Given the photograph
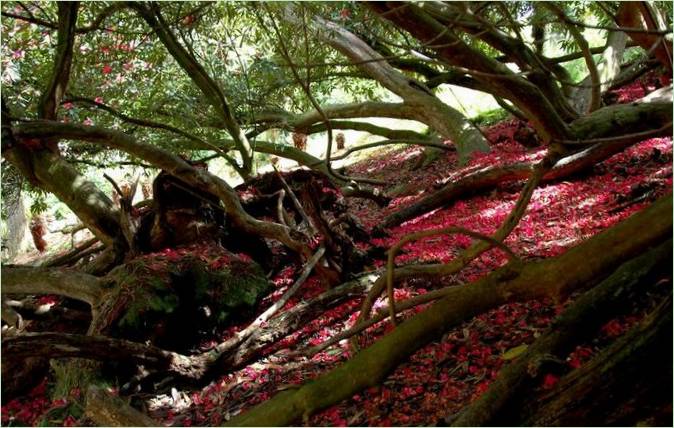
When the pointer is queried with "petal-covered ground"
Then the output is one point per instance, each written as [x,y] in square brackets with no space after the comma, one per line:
[447,374]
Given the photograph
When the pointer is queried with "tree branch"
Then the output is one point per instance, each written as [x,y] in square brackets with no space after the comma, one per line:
[211,90]
[58,81]
[30,280]
[174,165]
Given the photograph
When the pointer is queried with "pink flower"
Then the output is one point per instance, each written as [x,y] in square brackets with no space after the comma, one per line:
[68,106]
[107,69]
[99,100]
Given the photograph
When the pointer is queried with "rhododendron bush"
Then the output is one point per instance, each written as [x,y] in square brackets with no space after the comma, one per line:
[429,268]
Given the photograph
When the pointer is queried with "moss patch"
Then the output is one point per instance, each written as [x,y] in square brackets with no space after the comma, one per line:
[175,300]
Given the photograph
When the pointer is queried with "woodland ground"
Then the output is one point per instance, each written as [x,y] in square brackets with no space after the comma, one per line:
[447,374]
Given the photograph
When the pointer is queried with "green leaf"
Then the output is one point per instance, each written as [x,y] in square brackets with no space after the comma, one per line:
[515,352]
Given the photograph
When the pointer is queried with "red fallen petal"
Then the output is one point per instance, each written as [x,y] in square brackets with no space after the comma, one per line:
[550,381]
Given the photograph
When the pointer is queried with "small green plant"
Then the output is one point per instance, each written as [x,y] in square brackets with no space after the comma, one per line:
[71,375]
[490,117]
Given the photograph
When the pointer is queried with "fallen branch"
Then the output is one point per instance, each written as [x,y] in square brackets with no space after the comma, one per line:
[74,255]
[488,178]
[101,348]
[296,317]
[296,202]
[244,334]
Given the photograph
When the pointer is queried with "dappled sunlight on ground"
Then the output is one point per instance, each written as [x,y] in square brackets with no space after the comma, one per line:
[446,374]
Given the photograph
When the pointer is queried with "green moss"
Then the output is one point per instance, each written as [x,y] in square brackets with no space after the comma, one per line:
[490,117]
[185,298]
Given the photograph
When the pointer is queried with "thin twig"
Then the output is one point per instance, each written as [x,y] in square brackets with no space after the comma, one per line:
[623,139]
[239,337]
[424,234]
[296,202]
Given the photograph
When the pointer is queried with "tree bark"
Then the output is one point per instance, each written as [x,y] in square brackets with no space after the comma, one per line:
[107,410]
[636,15]
[629,384]
[579,322]
[101,348]
[607,122]
[578,267]
[608,69]
[495,76]
[29,280]
[424,106]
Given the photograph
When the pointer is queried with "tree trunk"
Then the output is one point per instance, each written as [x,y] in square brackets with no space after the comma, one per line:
[17,226]
[635,15]
[608,68]
[579,322]
[578,267]
[629,384]
[425,106]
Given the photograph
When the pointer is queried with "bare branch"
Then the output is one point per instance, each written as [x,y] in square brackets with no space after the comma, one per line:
[64,55]
[31,280]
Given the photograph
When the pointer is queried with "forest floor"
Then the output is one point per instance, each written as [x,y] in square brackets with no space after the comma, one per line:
[447,374]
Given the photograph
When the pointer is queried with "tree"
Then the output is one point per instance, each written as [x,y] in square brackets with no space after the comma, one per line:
[169,86]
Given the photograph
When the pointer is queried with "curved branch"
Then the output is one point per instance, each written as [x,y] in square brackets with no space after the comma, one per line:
[158,125]
[174,165]
[353,110]
[492,74]
[427,108]
[397,134]
[424,234]
[595,100]
[214,94]
[58,82]
[30,280]
[311,122]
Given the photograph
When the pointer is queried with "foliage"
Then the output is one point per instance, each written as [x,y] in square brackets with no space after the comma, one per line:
[491,117]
